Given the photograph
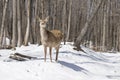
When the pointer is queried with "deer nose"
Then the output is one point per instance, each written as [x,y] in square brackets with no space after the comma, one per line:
[42,23]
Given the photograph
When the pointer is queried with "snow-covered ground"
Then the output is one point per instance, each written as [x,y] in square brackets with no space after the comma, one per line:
[72,65]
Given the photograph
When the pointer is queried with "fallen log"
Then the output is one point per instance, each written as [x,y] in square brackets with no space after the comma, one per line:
[24,56]
[21,57]
[18,58]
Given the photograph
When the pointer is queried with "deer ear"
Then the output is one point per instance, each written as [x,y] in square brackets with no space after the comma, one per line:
[38,18]
[47,18]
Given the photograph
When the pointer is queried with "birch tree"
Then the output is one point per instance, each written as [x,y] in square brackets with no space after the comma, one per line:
[19,43]
[14,24]
[69,21]
[3,21]
[28,24]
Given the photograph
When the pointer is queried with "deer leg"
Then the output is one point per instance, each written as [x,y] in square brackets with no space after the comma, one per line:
[45,52]
[50,54]
[57,50]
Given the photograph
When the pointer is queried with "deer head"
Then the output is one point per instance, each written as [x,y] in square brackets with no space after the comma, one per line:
[43,22]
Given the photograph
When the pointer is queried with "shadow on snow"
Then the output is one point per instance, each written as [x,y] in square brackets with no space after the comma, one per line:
[73,66]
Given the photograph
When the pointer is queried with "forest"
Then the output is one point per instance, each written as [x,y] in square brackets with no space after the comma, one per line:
[92,23]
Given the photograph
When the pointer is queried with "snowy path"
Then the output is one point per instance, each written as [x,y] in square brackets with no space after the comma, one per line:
[72,65]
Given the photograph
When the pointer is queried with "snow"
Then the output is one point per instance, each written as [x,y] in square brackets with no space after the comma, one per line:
[72,65]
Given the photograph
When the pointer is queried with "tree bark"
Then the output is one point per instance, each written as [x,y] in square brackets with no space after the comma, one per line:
[69,21]
[19,43]
[3,21]
[64,21]
[28,24]
[42,5]
[14,24]
[33,20]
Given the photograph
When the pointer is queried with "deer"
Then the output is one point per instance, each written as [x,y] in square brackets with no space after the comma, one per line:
[51,39]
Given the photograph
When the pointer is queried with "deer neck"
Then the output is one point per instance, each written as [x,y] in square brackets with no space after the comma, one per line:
[44,34]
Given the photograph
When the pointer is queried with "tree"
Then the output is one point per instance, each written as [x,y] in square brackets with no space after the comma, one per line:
[69,21]
[14,24]
[3,21]
[28,24]
[19,43]
[33,20]
[64,20]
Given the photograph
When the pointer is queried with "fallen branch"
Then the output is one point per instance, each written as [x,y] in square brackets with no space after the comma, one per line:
[21,57]
[18,58]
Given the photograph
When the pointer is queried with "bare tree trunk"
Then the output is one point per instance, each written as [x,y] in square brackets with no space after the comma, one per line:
[4,39]
[104,28]
[42,5]
[28,24]
[33,20]
[69,21]
[19,43]
[84,30]
[64,20]
[54,14]
[14,24]
[3,21]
